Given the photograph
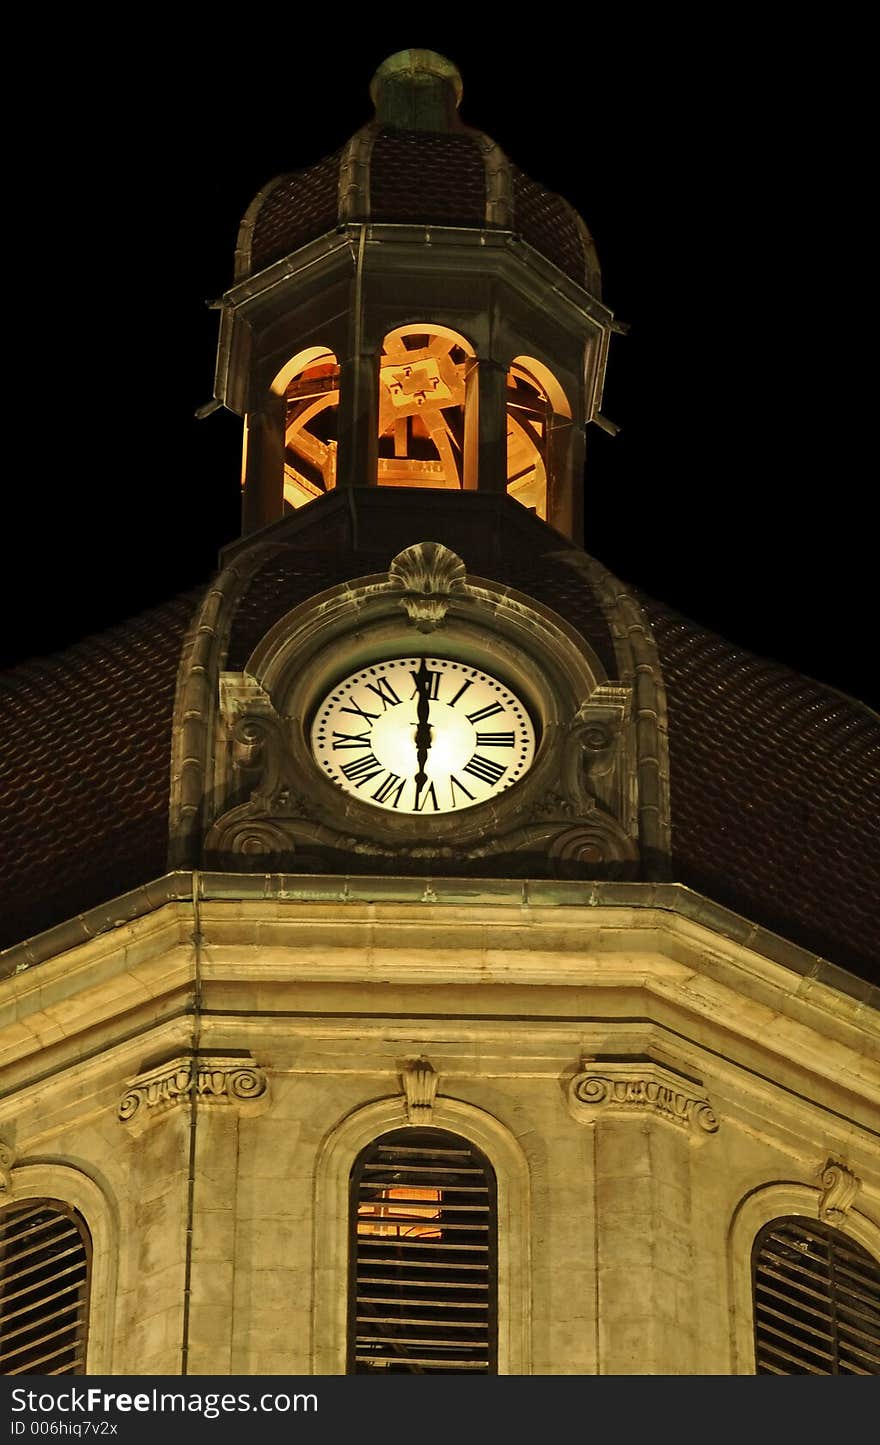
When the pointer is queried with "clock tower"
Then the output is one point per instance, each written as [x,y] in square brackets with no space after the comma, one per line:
[426,954]
[416,341]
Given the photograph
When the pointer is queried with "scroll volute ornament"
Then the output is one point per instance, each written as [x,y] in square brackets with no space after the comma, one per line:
[839,1189]
[7,1159]
[427,574]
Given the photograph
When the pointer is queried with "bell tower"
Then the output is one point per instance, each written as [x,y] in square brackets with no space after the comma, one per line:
[409,663]
[414,312]
[427,1053]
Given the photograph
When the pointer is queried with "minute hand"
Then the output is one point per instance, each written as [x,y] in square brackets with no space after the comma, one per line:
[424,733]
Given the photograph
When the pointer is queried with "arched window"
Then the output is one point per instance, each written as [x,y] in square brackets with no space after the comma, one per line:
[423,1257]
[816,1296]
[45,1258]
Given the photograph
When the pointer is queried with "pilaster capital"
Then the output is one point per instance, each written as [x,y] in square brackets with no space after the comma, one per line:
[214,1080]
[640,1087]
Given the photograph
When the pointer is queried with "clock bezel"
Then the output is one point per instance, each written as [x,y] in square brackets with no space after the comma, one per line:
[431,654]
[522,643]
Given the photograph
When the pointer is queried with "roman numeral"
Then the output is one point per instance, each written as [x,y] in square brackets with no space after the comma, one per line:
[356,708]
[384,692]
[483,712]
[464,687]
[484,769]
[453,784]
[361,770]
[433,685]
[354,740]
[494,740]
[384,790]
[428,793]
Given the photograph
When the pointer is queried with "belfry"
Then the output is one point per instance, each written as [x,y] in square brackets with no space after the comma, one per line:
[425,953]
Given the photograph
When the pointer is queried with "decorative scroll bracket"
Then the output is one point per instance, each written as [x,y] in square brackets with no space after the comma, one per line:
[7,1159]
[218,1079]
[427,574]
[597,747]
[240,693]
[839,1189]
[638,1088]
[419,1083]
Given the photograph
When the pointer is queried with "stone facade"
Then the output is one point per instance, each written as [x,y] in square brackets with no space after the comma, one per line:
[648,1090]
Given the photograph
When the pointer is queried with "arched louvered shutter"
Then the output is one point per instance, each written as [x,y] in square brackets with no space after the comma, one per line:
[45,1257]
[816,1298]
[423,1262]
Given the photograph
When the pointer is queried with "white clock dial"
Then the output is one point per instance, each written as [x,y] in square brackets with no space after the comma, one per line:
[422,735]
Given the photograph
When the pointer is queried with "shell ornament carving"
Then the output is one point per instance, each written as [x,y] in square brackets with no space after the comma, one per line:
[427,574]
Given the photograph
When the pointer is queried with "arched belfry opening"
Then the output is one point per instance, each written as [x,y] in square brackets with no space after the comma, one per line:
[309,389]
[427,409]
[414,312]
[538,419]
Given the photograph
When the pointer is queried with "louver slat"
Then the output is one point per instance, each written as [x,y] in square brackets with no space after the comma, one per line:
[423,1219]
[43,1322]
[818,1292]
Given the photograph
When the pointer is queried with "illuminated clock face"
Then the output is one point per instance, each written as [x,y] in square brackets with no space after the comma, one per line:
[423,735]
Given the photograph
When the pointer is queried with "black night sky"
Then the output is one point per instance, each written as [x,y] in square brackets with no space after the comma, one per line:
[722,201]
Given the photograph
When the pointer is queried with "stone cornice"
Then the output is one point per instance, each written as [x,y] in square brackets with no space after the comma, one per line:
[733,932]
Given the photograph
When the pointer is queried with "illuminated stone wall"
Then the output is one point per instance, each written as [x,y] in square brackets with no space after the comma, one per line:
[639,1082]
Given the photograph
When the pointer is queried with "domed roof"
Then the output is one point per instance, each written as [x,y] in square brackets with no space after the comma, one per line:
[415,163]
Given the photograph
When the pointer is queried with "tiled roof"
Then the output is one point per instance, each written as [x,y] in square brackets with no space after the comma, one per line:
[775,782]
[84,770]
[549,224]
[422,177]
[775,778]
[295,210]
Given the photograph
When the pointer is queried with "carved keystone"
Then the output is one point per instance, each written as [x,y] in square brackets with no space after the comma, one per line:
[419,1083]
[220,1079]
[641,1087]
[427,574]
[840,1187]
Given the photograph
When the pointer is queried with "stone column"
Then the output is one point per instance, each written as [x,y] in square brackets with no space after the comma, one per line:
[153,1254]
[199,1101]
[262,499]
[492,427]
[357,458]
[646,1120]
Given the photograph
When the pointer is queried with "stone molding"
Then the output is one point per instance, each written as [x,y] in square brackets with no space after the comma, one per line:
[217,1080]
[839,1189]
[420,1084]
[641,1087]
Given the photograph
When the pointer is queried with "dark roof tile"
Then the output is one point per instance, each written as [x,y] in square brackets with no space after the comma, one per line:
[85,770]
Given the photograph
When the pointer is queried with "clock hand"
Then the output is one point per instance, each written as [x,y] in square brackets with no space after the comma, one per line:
[424,733]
